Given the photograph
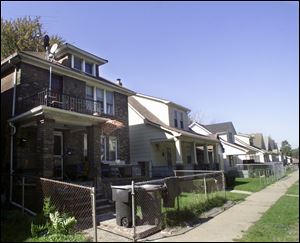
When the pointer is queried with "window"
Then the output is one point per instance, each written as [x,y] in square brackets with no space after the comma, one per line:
[103,148]
[112,148]
[100,100]
[109,103]
[89,68]
[89,94]
[175,119]
[181,120]
[77,63]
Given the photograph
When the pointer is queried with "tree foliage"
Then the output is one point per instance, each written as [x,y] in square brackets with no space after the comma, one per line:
[23,34]
[286,148]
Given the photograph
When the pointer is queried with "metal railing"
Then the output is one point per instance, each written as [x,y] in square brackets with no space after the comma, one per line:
[62,101]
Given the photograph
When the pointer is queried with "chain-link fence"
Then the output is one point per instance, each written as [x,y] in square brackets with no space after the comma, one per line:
[155,204]
[290,168]
[28,193]
[272,171]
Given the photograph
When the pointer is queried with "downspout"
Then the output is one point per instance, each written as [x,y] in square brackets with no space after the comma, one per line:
[12,135]
[11,158]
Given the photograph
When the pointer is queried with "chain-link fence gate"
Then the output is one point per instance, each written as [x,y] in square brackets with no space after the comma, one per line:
[28,193]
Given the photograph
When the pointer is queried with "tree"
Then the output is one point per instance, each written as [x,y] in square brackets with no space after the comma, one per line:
[286,148]
[295,153]
[196,116]
[23,34]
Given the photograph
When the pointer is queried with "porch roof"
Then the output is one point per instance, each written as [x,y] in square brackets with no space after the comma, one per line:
[59,115]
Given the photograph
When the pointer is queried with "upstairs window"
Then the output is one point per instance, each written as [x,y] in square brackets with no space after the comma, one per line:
[109,103]
[100,100]
[181,120]
[89,94]
[175,119]
[77,63]
[88,68]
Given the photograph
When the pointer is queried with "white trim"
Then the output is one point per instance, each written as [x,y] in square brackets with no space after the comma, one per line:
[104,101]
[83,65]
[14,93]
[72,61]
[94,69]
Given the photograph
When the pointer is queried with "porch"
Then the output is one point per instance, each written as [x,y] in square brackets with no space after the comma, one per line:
[184,154]
[65,145]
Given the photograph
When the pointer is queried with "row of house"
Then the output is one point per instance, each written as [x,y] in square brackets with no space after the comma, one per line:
[59,116]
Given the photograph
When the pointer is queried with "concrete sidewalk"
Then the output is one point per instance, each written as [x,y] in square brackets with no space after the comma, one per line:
[233,222]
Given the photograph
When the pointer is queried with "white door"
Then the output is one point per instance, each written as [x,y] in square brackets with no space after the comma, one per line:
[58,155]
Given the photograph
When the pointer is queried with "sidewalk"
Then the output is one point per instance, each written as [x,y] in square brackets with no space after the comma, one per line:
[233,222]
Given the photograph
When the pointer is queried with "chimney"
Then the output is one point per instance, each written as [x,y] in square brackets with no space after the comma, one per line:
[119,82]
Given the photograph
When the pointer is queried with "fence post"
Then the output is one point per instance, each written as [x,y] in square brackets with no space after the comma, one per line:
[133,210]
[93,198]
[223,182]
[23,194]
[205,189]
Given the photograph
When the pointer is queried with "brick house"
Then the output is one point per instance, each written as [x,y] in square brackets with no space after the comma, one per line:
[54,111]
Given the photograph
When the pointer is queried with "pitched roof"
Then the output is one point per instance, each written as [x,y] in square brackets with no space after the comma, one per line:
[154,120]
[220,127]
[41,57]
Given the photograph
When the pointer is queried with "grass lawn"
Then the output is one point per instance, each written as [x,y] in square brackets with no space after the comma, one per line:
[294,189]
[191,205]
[280,223]
[251,184]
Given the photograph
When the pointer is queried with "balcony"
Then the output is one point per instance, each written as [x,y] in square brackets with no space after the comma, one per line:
[62,101]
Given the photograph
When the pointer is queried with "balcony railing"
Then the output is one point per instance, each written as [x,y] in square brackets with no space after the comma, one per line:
[62,101]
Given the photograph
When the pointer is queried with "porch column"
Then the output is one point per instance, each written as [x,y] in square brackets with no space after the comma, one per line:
[195,153]
[270,158]
[94,151]
[206,159]
[45,145]
[215,155]
[178,151]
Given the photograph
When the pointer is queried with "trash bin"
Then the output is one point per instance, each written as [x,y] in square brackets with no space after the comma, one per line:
[122,196]
[149,199]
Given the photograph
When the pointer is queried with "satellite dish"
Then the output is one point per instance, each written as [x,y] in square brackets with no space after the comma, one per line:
[53,48]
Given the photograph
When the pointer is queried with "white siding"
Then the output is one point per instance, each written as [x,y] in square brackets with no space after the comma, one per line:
[140,135]
[224,137]
[199,130]
[243,138]
[230,150]
[159,109]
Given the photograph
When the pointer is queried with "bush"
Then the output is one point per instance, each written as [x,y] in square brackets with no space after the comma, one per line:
[58,238]
[50,225]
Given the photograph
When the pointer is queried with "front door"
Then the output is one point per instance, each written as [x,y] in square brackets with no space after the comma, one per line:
[58,155]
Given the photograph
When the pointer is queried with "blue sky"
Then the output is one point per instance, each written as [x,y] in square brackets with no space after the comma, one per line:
[226,61]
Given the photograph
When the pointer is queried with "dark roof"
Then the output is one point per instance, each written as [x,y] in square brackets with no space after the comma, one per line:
[151,118]
[41,55]
[220,127]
